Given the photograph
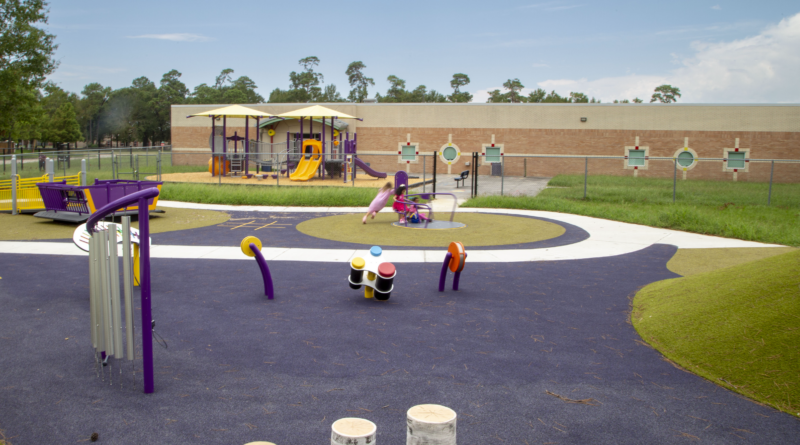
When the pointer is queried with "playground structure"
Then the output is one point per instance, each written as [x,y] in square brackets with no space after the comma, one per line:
[455,259]
[379,280]
[326,156]
[19,195]
[251,246]
[70,203]
[104,297]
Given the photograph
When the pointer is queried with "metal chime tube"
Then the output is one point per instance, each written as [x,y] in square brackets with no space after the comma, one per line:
[97,239]
[127,268]
[105,296]
[93,289]
[116,308]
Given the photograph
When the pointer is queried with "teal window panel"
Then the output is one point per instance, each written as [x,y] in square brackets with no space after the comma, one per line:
[449,153]
[492,154]
[735,159]
[685,159]
[409,153]
[636,158]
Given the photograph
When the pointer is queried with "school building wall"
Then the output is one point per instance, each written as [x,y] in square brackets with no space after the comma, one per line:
[767,131]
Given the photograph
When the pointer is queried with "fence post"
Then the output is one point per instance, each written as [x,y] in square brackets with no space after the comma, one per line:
[771,171]
[13,185]
[83,172]
[49,170]
[585,174]
[434,173]
[98,160]
[502,173]
[158,164]
[674,177]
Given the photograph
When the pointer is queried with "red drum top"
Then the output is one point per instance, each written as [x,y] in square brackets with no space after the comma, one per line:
[386,270]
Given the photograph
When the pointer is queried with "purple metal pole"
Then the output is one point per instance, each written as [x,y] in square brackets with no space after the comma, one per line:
[262,264]
[224,134]
[246,144]
[323,147]
[443,275]
[147,318]
[458,274]
[287,156]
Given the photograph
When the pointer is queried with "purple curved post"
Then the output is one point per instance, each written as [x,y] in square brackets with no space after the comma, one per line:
[458,275]
[443,275]
[262,264]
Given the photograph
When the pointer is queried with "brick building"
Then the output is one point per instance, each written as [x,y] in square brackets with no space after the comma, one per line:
[642,132]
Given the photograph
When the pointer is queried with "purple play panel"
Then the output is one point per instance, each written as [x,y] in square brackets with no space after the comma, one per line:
[60,197]
[242,368]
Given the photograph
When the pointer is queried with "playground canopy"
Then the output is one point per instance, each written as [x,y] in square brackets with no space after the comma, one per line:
[317,112]
[234,111]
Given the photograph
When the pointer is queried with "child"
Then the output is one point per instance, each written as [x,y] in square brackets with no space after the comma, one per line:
[413,212]
[399,207]
[379,202]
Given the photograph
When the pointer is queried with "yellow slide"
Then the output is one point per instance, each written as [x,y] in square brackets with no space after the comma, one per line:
[306,168]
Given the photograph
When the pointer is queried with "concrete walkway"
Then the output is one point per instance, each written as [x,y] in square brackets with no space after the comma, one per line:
[606,238]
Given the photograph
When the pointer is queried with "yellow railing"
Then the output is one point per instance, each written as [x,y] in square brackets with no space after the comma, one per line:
[28,196]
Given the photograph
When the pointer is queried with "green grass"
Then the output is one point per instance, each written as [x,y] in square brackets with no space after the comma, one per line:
[265,195]
[738,327]
[729,209]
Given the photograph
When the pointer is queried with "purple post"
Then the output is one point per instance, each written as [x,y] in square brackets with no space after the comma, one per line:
[147,317]
[262,264]
[246,144]
[213,135]
[323,147]
[443,275]
[287,156]
[458,274]
[224,135]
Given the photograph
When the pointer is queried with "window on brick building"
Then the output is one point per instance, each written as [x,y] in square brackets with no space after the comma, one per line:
[409,152]
[685,159]
[449,153]
[636,158]
[492,154]
[736,159]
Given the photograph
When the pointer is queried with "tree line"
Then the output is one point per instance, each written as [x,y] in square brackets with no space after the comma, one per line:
[33,109]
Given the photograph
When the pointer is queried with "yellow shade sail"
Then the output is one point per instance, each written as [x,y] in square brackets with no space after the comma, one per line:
[317,112]
[234,111]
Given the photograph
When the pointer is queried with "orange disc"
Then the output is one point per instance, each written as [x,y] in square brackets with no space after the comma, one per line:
[456,249]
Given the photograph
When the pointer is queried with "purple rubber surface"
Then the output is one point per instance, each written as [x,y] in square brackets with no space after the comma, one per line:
[240,368]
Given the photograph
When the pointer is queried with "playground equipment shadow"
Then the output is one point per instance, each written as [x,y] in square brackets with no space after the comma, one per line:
[506,352]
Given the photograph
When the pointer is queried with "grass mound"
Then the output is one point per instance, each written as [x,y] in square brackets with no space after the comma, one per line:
[729,209]
[28,227]
[738,327]
[481,230]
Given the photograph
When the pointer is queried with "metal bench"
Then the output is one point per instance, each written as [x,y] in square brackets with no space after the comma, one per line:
[463,177]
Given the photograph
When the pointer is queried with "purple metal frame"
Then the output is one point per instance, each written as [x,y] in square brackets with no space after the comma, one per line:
[443,275]
[262,264]
[144,267]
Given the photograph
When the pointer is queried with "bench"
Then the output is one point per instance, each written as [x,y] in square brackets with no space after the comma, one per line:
[464,175]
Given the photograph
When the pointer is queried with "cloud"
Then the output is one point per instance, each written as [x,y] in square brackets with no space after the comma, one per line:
[716,7]
[757,69]
[177,37]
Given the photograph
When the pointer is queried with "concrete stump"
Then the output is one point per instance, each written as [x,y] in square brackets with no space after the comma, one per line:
[431,425]
[353,431]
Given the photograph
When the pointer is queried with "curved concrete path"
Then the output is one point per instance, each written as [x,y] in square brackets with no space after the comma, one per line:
[606,238]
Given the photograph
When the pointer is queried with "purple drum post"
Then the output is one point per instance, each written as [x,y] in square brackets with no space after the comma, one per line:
[262,263]
[443,275]
[456,277]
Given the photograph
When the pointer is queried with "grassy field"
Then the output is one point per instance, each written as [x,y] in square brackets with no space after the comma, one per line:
[737,327]
[272,196]
[729,209]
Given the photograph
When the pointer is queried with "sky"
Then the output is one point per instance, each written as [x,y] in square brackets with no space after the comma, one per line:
[715,51]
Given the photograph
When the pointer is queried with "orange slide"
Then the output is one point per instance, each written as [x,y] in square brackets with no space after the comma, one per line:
[307,167]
